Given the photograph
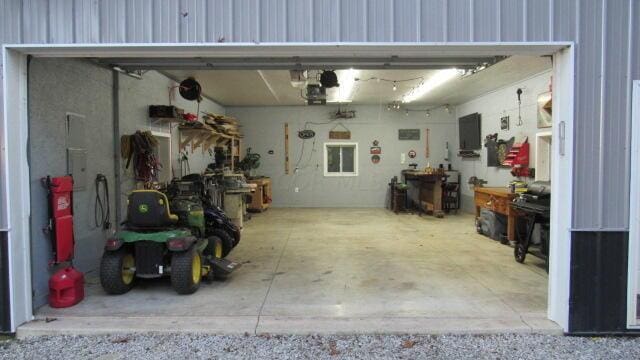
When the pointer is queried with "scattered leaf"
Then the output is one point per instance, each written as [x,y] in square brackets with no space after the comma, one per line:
[333,349]
[408,344]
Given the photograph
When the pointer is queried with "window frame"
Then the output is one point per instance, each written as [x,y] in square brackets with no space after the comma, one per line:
[340,173]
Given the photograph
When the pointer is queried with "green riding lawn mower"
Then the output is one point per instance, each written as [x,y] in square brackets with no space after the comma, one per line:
[168,236]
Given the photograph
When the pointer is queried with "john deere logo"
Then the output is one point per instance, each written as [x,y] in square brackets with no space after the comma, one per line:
[143,208]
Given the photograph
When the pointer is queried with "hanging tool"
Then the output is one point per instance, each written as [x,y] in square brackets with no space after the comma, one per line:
[426,138]
[286,148]
[102,209]
[519,93]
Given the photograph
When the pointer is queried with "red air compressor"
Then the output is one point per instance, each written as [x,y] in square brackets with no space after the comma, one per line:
[66,286]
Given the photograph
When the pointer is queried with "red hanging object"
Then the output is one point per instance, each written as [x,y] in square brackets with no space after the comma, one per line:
[61,217]
[518,159]
[66,286]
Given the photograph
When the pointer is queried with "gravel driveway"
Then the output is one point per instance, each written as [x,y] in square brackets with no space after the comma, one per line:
[523,346]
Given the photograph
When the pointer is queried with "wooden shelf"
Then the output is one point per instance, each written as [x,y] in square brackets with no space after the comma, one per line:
[203,135]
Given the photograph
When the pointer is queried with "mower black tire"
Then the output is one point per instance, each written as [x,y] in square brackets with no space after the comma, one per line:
[112,277]
[227,240]
[185,279]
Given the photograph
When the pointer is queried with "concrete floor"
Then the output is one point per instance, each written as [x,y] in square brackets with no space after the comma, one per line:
[335,271]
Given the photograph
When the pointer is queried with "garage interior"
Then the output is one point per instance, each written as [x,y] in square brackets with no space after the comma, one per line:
[382,206]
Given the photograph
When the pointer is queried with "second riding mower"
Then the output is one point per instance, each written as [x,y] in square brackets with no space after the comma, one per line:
[195,187]
[156,242]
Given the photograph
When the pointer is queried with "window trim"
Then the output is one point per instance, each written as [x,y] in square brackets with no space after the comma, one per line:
[341,173]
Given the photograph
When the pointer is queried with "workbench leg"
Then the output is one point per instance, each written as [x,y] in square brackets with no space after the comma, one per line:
[511,227]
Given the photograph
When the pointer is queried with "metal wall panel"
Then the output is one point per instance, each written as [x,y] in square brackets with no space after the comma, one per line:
[380,15]
[273,24]
[407,21]
[598,294]
[458,20]
[113,21]
[433,20]
[537,20]
[299,24]
[326,21]
[193,19]
[246,21]
[485,20]
[634,30]
[35,21]
[86,20]
[615,97]
[587,123]
[606,35]
[10,22]
[61,21]
[563,22]
[139,22]
[221,28]
[353,21]
[511,20]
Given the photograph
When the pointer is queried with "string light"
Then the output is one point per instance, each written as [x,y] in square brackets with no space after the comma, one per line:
[394,86]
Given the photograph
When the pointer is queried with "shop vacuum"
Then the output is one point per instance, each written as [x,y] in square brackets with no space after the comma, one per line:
[66,285]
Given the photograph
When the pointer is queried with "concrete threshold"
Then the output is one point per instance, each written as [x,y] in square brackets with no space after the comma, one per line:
[285,325]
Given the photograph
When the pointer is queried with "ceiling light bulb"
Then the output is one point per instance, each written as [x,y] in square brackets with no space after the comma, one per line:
[388,107]
[428,113]
[406,112]
[448,109]
[395,87]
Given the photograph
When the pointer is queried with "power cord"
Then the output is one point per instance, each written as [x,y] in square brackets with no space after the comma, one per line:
[102,209]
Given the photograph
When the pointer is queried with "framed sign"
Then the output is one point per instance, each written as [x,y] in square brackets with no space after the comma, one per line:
[408,134]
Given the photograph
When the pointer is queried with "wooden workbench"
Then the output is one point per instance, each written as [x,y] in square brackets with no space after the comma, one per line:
[261,199]
[429,190]
[497,200]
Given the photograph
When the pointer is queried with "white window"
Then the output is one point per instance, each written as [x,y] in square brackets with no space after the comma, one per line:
[340,159]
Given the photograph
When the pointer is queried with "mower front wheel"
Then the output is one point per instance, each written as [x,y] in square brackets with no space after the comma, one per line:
[186,271]
[214,247]
[227,240]
[117,271]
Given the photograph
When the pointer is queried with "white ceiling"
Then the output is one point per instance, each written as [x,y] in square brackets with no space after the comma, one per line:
[273,87]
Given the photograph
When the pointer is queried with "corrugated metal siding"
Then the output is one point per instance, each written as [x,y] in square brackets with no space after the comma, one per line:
[606,32]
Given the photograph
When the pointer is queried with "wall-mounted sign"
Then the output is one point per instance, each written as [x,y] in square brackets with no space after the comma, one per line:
[375,159]
[306,134]
[504,123]
[344,134]
[409,134]
[377,150]
[412,154]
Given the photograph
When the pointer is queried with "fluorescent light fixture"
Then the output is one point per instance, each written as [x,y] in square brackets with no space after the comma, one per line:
[347,80]
[439,78]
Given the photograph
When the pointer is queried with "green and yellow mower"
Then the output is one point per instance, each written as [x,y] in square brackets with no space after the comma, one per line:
[155,242]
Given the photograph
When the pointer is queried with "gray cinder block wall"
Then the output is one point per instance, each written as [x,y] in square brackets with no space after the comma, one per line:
[59,86]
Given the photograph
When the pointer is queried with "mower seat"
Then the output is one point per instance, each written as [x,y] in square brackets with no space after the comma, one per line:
[149,209]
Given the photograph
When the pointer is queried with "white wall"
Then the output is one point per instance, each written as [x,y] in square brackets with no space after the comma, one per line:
[492,107]
[264,130]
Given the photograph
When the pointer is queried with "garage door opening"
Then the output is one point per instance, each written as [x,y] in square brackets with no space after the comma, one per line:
[371,203]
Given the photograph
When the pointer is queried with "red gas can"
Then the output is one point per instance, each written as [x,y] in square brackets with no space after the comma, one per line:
[66,288]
